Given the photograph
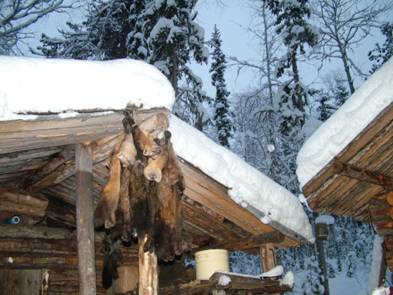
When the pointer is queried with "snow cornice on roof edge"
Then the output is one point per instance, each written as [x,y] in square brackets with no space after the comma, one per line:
[254,191]
[39,85]
[346,123]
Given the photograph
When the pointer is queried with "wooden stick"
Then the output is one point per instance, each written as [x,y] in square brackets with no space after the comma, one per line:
[148,269]
[84,219]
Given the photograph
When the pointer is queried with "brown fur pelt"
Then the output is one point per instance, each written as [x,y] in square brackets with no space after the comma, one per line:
[124,205]
[105,213]
[164,169]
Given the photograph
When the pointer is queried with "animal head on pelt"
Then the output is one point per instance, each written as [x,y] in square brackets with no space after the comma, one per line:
[146,142]
[165,160]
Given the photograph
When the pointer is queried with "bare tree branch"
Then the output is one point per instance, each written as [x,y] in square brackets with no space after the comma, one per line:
[17,15]
[344,24]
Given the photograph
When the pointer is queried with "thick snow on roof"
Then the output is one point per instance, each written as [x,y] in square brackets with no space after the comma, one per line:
[247,185]
[55,85]
[344,125]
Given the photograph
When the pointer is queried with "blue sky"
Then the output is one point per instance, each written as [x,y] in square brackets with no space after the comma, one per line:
[232,17]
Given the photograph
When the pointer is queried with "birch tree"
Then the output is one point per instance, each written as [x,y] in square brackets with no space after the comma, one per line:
[17,15]
[344,25]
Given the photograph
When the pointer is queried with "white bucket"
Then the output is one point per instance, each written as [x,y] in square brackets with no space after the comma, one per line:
[210,261]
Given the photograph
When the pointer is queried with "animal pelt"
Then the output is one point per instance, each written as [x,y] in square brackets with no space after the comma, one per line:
[145,142]
[143,201]
[127,152]
[112,256]
[105,213]
[155,124]
[164,169]
[124,206]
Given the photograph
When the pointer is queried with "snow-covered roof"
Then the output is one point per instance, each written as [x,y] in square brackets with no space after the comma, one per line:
[54,85]
[247,186]
[346,124]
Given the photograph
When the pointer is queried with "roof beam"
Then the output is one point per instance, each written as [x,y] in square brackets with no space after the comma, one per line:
[50,132]
[364,175]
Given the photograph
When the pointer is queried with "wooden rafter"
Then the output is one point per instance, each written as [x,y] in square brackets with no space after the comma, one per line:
[381,125]
[364,175]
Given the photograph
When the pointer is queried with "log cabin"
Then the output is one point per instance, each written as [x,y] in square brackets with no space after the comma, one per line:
[54,168]
[345,168]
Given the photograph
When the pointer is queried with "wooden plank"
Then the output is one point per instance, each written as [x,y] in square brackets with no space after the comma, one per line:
[85,219]
[210,194]
[365,175]
[247,283]
[63,167]
[253,242]
[22,203]
[268,257]
[16,157]
[148,269]
[21,282]
[366,137]
[26,135]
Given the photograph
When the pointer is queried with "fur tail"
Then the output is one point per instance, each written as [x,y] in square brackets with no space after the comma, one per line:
[107,273]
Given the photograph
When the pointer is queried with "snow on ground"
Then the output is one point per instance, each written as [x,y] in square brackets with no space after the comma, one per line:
[376,262]
[288,279]
[274,272]
[56,85]
[345,124]
[327,219]
[247,185]
[224,280]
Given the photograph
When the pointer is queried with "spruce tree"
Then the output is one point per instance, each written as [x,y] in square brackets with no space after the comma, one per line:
[102,36]
[163,33]
[381,53]
[292,23]
[174,39]
[222,112]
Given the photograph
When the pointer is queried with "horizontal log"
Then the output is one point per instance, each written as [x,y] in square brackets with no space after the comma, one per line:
[26,135]
[22,203]
[238,282]
[34,232]
[364,175]
[191,288]
[254,242]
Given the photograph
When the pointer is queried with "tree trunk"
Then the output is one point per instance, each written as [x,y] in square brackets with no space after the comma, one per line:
[344,58]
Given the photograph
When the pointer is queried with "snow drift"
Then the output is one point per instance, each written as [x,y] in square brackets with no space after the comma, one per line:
[57,85]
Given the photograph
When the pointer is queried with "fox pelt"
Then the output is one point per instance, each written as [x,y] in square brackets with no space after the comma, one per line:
[164,169]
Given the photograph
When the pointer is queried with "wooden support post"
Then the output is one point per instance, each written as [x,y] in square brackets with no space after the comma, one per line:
[321,236]
[84,220]
[268,257]
[148,269]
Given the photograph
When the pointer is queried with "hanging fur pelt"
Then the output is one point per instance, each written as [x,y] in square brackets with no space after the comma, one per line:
[112,256]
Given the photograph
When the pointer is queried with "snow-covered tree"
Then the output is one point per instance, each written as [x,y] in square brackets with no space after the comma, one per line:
[292,20]
[17,15]
[163,33]
[222,113]
[331,98]
[381,53]
[102,36]
[344,24]
[175,39]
